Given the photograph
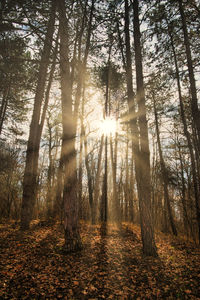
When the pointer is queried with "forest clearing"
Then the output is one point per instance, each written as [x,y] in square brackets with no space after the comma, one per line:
[33,265]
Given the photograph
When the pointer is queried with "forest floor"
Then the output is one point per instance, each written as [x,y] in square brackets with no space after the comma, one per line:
[33,265]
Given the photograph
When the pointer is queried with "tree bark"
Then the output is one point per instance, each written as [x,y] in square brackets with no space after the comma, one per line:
[164,172]
[194,101]
[70,199]
[143,177]
[4,105]
[31,167]
[113,155]
[187,134]
[96,185]
[131,188]
[89,176]
[126,187]
[132,118]
[82,64]
[104,204]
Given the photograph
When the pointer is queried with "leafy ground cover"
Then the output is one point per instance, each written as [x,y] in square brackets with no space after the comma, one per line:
[33,266]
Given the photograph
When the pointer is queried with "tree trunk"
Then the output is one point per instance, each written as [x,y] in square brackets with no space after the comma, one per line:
[31,167]
[4,105]
[82,65]
[131,102]
[104,187]
[131,187]
[113,155]
[143,178]
[126,187]
[96,185]
[89,176]
[164,173]
[104,206]
[187,134]
[70,199]
[186,220]
[49,175]
[193,90]
[80,170]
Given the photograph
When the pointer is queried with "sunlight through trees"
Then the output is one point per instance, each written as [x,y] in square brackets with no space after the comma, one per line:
[99,116]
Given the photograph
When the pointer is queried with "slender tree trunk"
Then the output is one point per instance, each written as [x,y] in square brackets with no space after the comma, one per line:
[193,90]
[80,172]
[4,105]
[186,220]
[47,92]
[81,85]
[89,176]
[132,193]
[187,135]
[96,185]
[113,155]
[31,167]
[131,102]
[82,65]
[70,199]
[49,174]
[153,183]
[144,178]
[104,206]
[164,173]
[58,202]
[126,192]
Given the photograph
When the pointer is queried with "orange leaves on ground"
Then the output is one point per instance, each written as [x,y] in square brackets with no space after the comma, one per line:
[33,266]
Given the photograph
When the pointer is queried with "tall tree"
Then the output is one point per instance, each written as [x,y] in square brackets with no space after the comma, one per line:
[15,75]
[113,155]
[144,177]
[32,154]
[188,136]
[78,65]
[163,170]
[70,199]
[194,100]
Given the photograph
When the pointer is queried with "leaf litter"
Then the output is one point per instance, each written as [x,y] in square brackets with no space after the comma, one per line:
[111,266]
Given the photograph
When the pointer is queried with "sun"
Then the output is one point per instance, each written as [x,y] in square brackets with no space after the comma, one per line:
[108,126]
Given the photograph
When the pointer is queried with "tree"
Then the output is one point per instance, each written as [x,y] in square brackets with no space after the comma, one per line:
[194,101]
[174,54]
[194,105]
[15,74]
[31,168]
[70,199]
[10,181]
[143,178]
[163,168]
